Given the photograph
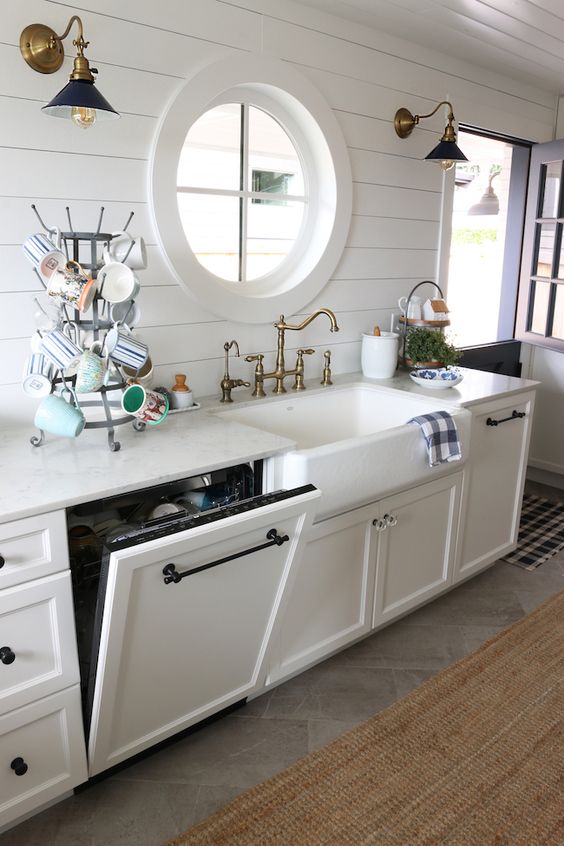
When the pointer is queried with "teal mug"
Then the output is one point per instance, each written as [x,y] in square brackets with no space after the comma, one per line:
[62,418]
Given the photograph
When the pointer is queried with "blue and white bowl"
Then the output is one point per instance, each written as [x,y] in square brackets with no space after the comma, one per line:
[437,378]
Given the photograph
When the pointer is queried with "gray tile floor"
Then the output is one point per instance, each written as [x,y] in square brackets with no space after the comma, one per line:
[151,801]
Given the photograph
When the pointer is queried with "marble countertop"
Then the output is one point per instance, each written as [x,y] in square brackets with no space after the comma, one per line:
[64,472]
[477,386]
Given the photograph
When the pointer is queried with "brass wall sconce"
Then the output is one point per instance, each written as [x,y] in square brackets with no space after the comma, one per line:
[447,152]
[42,49]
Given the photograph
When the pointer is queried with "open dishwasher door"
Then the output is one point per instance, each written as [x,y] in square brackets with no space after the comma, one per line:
[186,618]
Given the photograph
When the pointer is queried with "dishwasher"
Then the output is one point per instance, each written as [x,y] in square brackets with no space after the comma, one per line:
[178,589]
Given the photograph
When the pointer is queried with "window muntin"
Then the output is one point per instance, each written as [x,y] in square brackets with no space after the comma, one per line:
[245,179]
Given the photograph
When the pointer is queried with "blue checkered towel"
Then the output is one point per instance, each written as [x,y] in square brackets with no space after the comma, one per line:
[441,437]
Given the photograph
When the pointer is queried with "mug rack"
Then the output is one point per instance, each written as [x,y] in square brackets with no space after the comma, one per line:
[405,323]
[75,244]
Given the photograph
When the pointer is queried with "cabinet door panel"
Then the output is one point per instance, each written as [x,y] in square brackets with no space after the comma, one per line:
[172,654]
[33,547]
[493,485]
[48,736]
[331,600]
[37,626]
[416,554]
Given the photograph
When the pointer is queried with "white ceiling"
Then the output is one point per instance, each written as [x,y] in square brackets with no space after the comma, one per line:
[523,39]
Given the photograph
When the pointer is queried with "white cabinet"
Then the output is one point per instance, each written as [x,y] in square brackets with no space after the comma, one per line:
[42,749]
[32,547]
[331,600]
[366,567]
[37,640]
[416,545]
[41,753]
[493,482]
[173,653]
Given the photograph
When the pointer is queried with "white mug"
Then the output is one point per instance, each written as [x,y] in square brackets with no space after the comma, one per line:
[117,282]
[46,315]
[127,313]
[414,308]
[128,249]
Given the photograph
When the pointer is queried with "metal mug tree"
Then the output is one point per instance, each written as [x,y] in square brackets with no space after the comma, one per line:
[74,243]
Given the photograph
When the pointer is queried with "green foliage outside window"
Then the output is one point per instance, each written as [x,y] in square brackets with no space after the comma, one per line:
[473,236]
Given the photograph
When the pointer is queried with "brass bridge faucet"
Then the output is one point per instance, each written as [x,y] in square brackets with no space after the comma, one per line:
[227,383]
[280,372]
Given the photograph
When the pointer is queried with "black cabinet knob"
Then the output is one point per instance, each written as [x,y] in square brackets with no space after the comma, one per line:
[2,561]
[19,766]
[7,656]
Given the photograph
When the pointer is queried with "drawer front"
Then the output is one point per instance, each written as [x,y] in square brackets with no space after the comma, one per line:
[32,548]
[38,653]
[42,753]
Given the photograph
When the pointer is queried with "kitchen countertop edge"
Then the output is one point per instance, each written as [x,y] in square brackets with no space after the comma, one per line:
[64,472]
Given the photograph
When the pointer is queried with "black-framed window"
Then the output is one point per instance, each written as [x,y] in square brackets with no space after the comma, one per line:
[540,315]
[487,237]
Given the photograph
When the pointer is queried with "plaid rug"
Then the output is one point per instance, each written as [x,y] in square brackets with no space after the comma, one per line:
[541,532]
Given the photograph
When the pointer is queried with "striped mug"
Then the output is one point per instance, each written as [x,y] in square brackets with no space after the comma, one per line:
[60,349]
[44,254]
[125,349]
[38,376]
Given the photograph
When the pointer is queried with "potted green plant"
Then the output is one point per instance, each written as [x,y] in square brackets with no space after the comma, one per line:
[429,348]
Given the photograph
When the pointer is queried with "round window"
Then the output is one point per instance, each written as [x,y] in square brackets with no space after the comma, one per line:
[251,189]
[241,192]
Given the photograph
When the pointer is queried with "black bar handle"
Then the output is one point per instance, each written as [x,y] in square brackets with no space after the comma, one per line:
[2,561]
[514,416]
[171,574]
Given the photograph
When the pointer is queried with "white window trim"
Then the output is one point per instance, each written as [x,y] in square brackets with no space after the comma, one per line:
[303,112]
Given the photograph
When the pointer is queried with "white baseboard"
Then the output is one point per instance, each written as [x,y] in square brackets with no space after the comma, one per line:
[545,477]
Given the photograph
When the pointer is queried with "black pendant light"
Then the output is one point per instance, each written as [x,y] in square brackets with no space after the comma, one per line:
[79,100]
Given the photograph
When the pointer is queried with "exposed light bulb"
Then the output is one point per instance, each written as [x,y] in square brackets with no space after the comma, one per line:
[83,116]
[446,164]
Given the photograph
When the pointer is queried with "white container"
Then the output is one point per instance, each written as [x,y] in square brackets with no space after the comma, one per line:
[379,357]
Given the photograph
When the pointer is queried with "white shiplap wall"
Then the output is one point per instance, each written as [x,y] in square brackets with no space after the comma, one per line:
[144,51]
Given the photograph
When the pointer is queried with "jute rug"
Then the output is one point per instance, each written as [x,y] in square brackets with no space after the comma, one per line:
[541,532]
[472,757]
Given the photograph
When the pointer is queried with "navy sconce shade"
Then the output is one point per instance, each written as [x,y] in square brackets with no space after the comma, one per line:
[446,151]
[79,94]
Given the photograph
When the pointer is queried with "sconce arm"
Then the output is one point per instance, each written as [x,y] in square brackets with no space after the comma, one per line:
[80,39]
[417,118]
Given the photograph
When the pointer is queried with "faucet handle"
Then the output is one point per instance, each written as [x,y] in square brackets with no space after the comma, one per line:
[299,371]
[259,373]
[326,380]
